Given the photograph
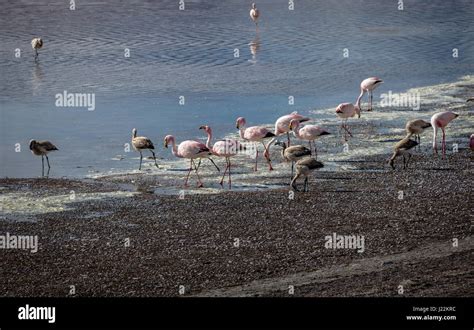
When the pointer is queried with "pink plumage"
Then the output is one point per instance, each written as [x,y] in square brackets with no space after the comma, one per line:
[367,86]
[439,121]
[308,132]
[256,134]
[282,125]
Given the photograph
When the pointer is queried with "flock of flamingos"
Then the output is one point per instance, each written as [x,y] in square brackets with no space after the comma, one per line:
[301,158]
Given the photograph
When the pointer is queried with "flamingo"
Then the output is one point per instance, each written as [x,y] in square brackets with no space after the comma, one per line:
[308,133]
[368,85]
[303,168]
[416,127]
[36,44]
[346,111]
[223,148]
[191,150]
[402,149]
[140,143]
[293,153]
[282,125]
[42,148]
[254,14]
[441,120]
[256,134]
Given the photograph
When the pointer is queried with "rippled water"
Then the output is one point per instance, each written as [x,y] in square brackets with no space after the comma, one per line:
[190,53]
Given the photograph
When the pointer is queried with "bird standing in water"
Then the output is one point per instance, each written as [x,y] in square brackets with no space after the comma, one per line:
[42,148]
[36,44]
[254,14]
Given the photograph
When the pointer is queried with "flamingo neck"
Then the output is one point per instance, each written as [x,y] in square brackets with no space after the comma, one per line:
[359,98]
[435,131]
[209,138]
[241,132]
[296,130]
[174,150]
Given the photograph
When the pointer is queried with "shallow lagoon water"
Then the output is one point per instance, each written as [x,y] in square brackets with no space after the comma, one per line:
[191,54]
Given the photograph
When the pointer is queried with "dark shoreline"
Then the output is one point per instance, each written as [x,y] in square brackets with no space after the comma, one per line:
[190,242]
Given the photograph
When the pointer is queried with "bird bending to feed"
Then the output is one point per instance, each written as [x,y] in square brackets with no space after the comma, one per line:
[402,149]
[303,168]
[36,44]
[308,133]
[191,150]
[346,111]
[254,14]
[441,120]
[256,134]
[367,86]
[416,127]
[140,143]
[282,125]
[224,148]
[293,154]
[42,148]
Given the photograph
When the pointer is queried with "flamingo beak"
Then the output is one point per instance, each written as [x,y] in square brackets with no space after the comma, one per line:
[202,127]
[165,144]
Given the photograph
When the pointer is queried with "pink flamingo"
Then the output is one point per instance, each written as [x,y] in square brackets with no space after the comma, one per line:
[282,125]
[308,133]
[223,148]
[256,134]
[346,111]
[441,120]
[368,85]
[191,150]
[254,15]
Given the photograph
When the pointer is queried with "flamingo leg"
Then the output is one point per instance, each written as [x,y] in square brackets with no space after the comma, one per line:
[154,157]
[443,146]
[292,166]
[225,171]
[310,148]
[315,151]
[229,166]
[270,168]
[218,169]
[306,183]
[189,172]
[141,157]
[288,137]
[42,165]
[197,174]
[404,162]
[371,97]
[256,158]
[199,164]
[408,160]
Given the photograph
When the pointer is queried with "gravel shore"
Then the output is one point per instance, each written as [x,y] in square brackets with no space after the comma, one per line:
[212,244]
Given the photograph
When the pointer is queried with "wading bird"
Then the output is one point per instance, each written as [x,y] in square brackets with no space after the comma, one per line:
[346,111]
[282,125]
[140,143]
[293,154]
[367,86]
[441,120]
[36,44]
[42,148]
[254,14]
[256,134]
[416,127]
[191,150]
[304,167]
[224,148]
[308,133]
[402,148]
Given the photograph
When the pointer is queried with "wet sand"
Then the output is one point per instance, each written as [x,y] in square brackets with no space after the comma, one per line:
[191,242]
